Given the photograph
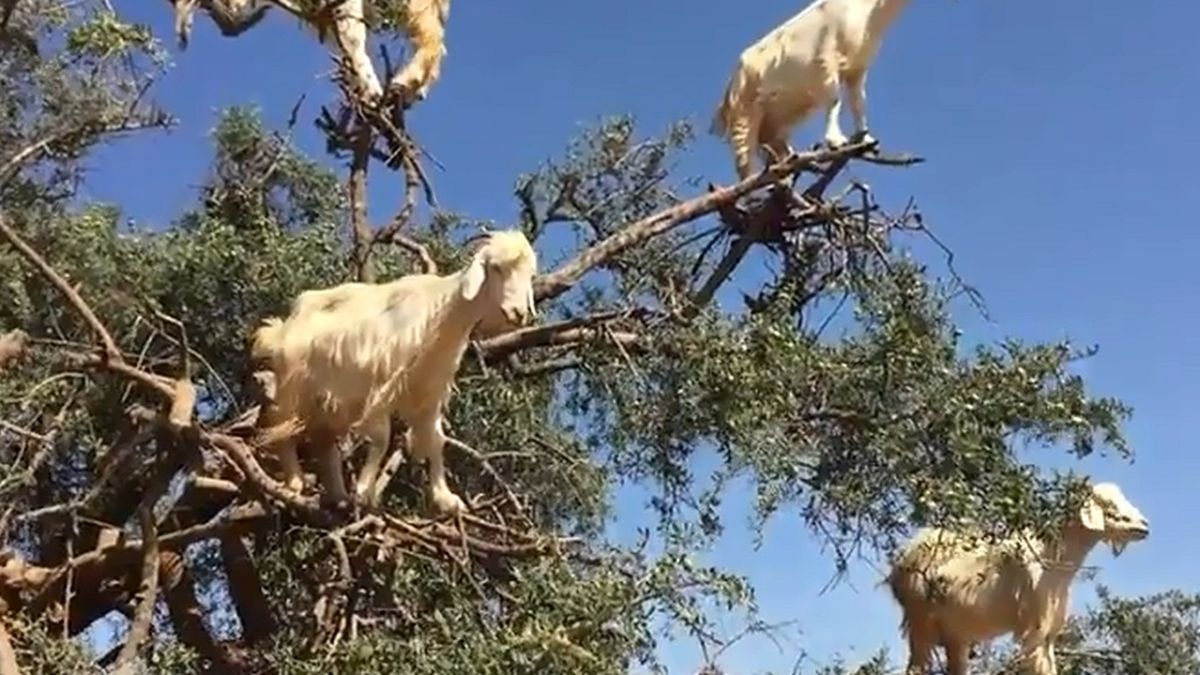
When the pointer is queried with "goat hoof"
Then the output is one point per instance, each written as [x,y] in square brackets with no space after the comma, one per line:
[835,142]
[448,503]
[865,137]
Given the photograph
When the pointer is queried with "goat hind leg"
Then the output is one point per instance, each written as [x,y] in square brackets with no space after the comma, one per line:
[776,146]
[834,137]
[856,90]
[744,137]
[427,440]
[427,32]
[289,462]
[957,654]
[920,648]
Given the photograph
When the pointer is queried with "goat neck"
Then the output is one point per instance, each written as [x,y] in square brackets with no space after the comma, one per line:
[1066,555]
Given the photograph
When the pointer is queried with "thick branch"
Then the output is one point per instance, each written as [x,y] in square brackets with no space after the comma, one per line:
[561,280]
[245,588]
[360,227]
[187,616]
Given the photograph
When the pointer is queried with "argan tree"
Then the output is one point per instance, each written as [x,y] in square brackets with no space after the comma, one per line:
[133,492]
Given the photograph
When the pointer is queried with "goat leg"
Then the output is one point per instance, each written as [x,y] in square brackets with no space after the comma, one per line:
[427,440]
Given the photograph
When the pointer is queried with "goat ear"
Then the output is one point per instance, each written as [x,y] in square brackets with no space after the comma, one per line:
[1092,516]
[473,280]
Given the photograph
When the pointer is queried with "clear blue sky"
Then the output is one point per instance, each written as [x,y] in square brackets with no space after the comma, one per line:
[1060,139]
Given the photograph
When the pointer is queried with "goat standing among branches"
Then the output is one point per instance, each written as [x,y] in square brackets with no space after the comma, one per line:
[348,357]
[956,593]
[797,67]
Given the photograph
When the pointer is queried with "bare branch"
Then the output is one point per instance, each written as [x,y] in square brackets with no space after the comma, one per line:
[360,228]
[561,280]
[140,628]
[570,331]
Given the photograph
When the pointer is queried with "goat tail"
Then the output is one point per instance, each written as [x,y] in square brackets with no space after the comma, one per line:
[741,87]
[268,339]
[898,585]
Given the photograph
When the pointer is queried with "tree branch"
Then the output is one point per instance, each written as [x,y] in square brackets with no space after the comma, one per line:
[251,605]
[140,628]
[556,283]
[187,616]
[566,332]
[101,333]
[360,227]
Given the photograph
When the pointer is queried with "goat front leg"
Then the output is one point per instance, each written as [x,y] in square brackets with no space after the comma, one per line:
[379,433]
[289,462]
[856,90]
[427,440]
[329,468]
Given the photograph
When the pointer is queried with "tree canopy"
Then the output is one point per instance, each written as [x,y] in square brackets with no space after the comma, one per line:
[840,387]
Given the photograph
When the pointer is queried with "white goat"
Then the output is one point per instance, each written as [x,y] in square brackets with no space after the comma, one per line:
[800,66]
[956,592]
[424,21]
[350,356]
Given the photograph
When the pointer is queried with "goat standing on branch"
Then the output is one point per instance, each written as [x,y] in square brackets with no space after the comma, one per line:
[350,356]
[798,67]
[956,592]
[344,23]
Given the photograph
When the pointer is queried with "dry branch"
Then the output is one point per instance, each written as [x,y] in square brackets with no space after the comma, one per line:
[561,280]
[249,601]
[140,629]
[571,331]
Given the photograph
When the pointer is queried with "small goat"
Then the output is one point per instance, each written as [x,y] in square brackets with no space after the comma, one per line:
[800,66]
[955,592]
[350,356]
[424,21]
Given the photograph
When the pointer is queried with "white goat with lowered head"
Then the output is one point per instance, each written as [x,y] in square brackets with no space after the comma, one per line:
[957,592]
[797,67]
[350,356]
